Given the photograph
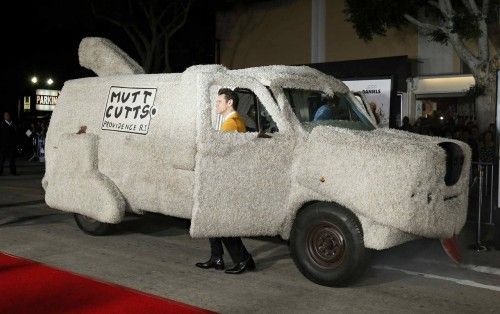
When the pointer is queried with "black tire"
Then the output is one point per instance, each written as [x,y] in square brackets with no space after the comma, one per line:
[92,226]
[326,244]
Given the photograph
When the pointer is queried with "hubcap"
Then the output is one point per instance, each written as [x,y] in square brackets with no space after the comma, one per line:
[326,245]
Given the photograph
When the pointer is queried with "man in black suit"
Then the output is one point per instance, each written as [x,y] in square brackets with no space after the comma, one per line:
[227,104]
[8,143]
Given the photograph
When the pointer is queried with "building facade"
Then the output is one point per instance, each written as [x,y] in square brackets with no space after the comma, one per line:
[319,35]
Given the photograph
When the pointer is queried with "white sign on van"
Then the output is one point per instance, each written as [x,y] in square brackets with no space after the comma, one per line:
[129,109]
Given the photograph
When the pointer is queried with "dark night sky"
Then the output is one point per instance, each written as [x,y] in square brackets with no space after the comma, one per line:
[43,38]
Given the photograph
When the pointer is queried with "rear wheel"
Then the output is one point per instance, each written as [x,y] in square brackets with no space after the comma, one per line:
[92,226]
[326,244]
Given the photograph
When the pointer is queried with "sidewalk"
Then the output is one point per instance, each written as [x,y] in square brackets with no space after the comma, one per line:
[490,257]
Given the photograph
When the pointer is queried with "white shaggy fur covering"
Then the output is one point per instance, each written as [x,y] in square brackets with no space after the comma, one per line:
[105,58]
[392,180]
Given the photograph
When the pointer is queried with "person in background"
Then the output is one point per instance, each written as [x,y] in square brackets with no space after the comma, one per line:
[475,132]
[492,128]
[487,148]
[474,145]
[373,108]
[406,125]
[459,135]
[33,138]
[8,137]
[325,111]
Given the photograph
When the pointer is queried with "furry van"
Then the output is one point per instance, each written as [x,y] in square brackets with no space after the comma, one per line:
[150,145]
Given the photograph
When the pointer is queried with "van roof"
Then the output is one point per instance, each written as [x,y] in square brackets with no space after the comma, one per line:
[267,74]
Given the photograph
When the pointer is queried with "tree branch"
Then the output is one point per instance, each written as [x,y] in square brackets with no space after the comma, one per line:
[130,7]
[141,36]
[471,6]
[167,9]
[462,51]
[145,10]
[482,41]
[486,7]
[183,17]
[103,17]
[435,4]
[425,26]
[137,44]
[445,7]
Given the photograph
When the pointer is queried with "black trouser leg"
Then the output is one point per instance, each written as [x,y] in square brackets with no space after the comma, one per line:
[2,160]
[216,249]
[12,162]
[236,249]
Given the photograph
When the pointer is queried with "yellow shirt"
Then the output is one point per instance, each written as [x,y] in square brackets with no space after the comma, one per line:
[233,123]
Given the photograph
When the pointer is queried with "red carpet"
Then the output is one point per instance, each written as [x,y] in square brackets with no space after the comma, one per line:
[30,287]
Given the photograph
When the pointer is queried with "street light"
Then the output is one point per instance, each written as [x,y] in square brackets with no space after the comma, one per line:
[50,81]
[34,80]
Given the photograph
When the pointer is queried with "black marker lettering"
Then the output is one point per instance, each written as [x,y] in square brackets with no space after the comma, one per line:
[108,112]
[146,94]
[115,95]
[135,94]
[136,111]
[118,111]
[124,99]
[127,109]
[145,111]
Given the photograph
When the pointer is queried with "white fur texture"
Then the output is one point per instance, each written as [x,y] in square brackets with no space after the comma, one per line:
[233,184]
[154,172]
[390,177]
[80,187]
[105,58]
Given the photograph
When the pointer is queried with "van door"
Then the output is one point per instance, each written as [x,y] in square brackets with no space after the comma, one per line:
[242,180]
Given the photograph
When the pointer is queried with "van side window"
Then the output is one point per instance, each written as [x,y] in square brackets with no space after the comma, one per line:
[254,113]
[247,109]
[314,108]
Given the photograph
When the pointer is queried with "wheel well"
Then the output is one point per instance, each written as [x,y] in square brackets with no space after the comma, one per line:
[286,233]
[333,204]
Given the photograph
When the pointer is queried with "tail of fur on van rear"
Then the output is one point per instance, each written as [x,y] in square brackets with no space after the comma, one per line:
[73,182]
[105,58]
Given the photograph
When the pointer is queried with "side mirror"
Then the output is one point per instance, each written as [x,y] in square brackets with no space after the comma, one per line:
[262,134]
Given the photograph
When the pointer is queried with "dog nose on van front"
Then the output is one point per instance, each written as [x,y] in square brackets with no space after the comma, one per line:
[454,162]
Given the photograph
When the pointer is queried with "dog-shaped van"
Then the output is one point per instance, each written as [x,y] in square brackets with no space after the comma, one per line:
[131,142]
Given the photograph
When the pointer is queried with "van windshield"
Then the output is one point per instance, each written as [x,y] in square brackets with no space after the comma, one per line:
[314,108]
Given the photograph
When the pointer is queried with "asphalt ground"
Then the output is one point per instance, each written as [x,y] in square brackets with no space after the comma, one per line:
[155,254]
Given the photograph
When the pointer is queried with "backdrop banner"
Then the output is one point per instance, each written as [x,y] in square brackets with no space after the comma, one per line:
[378,92]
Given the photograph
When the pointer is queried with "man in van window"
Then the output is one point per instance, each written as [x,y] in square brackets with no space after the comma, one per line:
[325,111]
[227,104]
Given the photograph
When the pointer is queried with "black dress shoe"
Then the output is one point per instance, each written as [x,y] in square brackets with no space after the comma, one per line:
[217,263]
[247,264]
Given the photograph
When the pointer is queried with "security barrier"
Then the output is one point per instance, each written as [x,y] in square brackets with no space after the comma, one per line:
[482,187]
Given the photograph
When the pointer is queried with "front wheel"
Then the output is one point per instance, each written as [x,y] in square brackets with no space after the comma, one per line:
[326,244]
[92,226]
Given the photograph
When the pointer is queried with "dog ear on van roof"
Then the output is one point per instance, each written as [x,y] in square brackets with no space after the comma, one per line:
[104,58]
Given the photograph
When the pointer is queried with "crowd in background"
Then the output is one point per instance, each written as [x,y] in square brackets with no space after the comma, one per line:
[26,140]
[459,128]
[33,140]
